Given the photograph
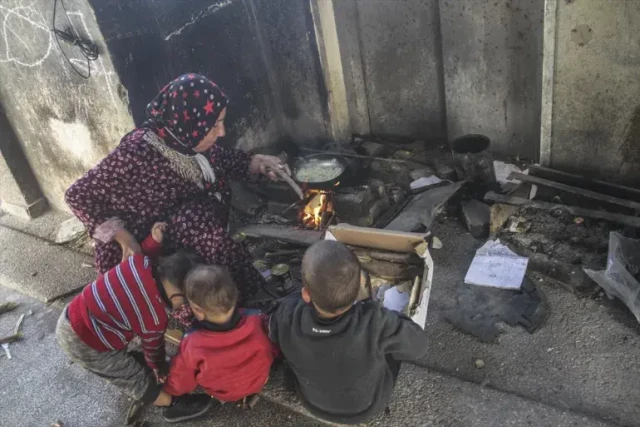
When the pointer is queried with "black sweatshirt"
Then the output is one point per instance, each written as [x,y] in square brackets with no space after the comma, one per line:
[344,366]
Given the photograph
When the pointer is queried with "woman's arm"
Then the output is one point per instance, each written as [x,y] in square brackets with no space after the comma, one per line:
[236,164]
[100,197]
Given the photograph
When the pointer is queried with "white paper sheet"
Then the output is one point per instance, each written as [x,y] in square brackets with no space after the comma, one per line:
[497,266]
[395,300]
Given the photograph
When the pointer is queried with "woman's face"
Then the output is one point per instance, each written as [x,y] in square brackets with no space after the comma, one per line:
[217,131]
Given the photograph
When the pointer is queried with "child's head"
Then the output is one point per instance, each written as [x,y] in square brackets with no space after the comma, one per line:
[331,277]
[211,292]
[172,270]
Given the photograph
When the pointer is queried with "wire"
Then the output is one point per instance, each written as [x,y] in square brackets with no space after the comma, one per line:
[88,49]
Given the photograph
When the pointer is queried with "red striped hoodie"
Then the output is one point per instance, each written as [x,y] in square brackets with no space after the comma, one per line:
[122,303]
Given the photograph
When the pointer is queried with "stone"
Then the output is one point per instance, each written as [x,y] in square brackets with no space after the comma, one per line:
[445,171]
[422,173]
[373,149]
[477,217]
[69,230]
[480,364]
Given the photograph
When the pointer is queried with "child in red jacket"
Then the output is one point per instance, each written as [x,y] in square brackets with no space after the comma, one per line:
[227,351]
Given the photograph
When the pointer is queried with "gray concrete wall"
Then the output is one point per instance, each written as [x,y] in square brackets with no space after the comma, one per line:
[401,65]
[492,53]
[596,92]
[65,123]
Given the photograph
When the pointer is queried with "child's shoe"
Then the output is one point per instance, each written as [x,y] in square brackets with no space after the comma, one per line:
[187,407]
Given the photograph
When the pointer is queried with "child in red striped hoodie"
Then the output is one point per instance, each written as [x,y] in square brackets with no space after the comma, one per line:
[130,300]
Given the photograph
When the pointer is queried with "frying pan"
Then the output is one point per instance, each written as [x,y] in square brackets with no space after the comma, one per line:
[318,161]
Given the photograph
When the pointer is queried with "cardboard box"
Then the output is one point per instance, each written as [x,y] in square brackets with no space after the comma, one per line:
[395,241]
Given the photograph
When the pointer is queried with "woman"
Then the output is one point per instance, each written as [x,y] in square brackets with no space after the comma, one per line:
[171,170]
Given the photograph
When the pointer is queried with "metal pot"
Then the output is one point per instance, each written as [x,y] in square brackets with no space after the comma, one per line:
[318,161]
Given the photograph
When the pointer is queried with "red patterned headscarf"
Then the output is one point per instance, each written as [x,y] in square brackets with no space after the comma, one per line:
[185,111]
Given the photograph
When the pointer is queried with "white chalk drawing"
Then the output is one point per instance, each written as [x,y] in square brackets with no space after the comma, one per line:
[31,53]
[206,12]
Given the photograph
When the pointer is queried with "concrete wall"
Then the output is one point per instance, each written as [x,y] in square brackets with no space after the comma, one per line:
[391,52]
[65,123]
[595,125]
[492,53]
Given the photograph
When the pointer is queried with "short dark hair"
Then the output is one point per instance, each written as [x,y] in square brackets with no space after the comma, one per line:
[331,275]
[175,267]
[212,288]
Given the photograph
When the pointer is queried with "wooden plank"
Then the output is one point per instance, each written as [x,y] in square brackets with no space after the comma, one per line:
[574,210]
[616,190]
[286,234]
[173,336]
[575,190]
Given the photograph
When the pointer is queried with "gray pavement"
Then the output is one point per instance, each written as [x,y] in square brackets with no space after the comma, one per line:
[580,368]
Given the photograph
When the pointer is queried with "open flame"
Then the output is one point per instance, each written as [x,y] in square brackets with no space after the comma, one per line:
[318,212]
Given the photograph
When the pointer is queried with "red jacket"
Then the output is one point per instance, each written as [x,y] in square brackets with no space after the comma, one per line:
[229,365]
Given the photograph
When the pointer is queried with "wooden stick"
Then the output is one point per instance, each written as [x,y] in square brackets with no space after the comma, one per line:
[357,156]
[574,210]
[286,178]
[574,190]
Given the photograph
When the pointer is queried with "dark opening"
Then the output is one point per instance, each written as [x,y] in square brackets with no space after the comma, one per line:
[470,144]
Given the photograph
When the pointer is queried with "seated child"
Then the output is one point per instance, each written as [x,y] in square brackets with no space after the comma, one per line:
[344,355]
[130,300]
[227,351]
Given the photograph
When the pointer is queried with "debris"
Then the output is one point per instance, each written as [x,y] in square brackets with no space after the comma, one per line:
[518,225]
[476,216]
[425,182]
[57,424]
[87,265]
[446,172]
[578,220]
[34,274]
[373,149]
[402,154]
[69,230]
[619,278]
[286,234]
[5,346]
[479,310]
[576,190]
[497,266]
[423,208]
[500,213]
[604,187]
[479,363]
[7,307]
[421,173]
[244,200]
[251,401]
[503,170]
[436,243]
[631,221]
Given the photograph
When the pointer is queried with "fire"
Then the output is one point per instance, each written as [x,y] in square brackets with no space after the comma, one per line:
[318,212]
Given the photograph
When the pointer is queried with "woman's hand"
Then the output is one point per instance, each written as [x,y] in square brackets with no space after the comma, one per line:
[158,230]
[266,165]
[128,243]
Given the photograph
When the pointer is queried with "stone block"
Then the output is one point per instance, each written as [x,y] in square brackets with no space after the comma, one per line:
[477,217]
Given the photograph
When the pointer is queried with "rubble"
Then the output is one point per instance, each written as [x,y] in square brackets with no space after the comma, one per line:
[445,171]
[424,172]
[476,216]
[479,364]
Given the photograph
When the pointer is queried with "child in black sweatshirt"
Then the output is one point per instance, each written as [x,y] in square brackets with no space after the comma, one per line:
[344,354]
